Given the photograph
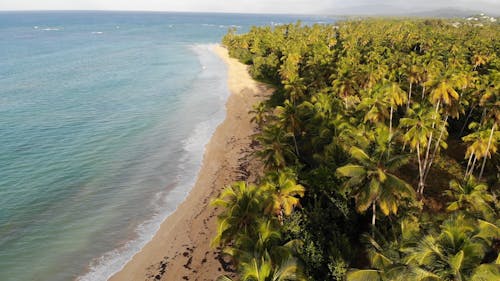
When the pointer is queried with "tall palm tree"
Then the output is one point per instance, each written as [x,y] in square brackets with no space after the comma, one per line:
[420,129]
[372,180]
[395,97]
[289,119]
[482,144]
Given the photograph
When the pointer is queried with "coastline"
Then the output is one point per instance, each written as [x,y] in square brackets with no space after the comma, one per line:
[180,250]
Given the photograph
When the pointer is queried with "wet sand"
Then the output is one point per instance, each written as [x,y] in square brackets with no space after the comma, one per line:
[181,250]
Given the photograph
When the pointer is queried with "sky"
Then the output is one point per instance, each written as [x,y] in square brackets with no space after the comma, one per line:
[257,6]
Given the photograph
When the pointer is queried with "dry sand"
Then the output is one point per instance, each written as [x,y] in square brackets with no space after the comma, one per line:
[181,250]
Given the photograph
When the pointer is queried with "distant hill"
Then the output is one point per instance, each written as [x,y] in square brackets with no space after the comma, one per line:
[445,13]
[388,10]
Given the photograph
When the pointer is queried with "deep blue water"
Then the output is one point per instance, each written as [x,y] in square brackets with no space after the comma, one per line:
[103,120]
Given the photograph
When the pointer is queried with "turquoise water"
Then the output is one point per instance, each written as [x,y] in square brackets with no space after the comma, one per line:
[103,120]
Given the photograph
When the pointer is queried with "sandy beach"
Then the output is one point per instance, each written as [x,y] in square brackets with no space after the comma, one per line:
[181,250]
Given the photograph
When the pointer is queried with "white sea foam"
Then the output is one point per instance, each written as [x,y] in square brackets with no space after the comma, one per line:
[51,29]
[167,201]
[97,32]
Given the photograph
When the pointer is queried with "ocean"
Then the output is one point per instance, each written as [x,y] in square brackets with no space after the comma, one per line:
[103,121]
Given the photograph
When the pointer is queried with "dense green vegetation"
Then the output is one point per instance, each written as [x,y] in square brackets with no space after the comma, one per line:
[380,145]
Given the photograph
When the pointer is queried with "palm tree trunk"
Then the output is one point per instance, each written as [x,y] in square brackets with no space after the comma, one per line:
[428,168]
[468,166]
[409,98]
[390,131]
[473,165]
[487,150]
[390,121]
[294,139]
[427,162]
[427,153]
[420,168]
[482,116]
[466,120]
[374,217]
[296,147]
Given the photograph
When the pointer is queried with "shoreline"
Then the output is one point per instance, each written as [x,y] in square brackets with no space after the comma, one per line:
[180,250]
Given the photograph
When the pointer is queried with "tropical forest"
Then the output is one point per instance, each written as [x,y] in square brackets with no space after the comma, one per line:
[380,153]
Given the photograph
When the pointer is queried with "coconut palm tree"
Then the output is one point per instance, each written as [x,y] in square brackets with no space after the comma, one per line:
[472,196]
[260,114]
[482,144]
[420,129]
[242,204]
[274,146]
[285,193]
[456,251]
[371,179]
[288,118]
[395,97]
[265,269]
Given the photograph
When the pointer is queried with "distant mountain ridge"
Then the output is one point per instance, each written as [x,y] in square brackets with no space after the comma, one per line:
[388,10]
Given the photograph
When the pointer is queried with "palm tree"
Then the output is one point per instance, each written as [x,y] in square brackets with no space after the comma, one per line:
[374,105]
[372,180]
[471,196]
[346,87]
[260,113]
[456,251]
[395,97]
[246,246]
[265,269]
[242,206]
[420,130]
[415,76]
[294,87]
[486,272]
[275,148]
[288,118]
[285,193]
[482,144]
[273,264]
